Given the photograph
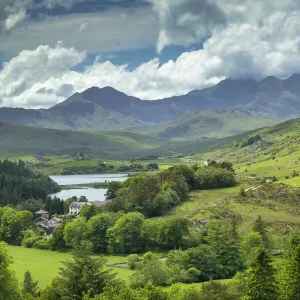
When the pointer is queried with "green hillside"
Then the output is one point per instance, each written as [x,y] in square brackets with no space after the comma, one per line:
[23,140]
[272,151]
[209,124]
[20,141]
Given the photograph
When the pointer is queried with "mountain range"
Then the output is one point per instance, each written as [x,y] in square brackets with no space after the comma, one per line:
[228,108]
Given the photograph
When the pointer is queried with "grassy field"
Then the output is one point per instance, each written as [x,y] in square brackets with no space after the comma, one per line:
[220,203]
[44,264]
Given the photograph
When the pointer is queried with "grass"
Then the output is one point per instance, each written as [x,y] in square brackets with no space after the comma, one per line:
[44,265]
[204,205]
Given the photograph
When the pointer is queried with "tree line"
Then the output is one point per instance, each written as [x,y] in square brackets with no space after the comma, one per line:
[155,194]
[85,277]
[104,168]
[18,184]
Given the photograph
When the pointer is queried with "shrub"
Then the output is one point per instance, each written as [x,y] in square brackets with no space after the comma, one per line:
[133,261]
[42,244]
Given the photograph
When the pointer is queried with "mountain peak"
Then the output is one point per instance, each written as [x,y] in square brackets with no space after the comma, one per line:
[270,79]
[106,89]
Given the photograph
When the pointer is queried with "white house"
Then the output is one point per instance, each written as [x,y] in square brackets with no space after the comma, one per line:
[75,207]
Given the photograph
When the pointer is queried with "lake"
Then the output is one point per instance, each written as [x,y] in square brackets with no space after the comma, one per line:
[88,178]
[90,193]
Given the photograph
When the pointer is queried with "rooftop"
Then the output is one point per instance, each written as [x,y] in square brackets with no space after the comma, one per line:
[41,212]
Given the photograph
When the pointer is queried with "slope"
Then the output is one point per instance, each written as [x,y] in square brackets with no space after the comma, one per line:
[205,124]
[267,152]
[20,140]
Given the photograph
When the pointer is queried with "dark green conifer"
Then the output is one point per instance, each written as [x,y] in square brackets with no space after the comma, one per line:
[29,287]
[262,282]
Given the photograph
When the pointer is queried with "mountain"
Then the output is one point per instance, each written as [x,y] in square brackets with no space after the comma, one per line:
[227,108]
[205,124]
[20,141]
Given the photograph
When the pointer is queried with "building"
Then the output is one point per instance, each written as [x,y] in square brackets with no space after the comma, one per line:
[75,207]
[43,214]
[45,223]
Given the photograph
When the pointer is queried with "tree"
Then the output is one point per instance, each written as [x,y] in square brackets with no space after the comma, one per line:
[125,236]
[262,283]
[153,166]
[215,291]
[83,275]
[88,211]
[75,230]
[112,189]
[290,275]
[58,242]
[261,227]
[13,223]
[29,286]
[9,289]
[181,291]
[54,206]
[225,242]
[204,259]
[133,261]
[213,178]
[97,231]
[251,242]
[171,232]
[82,199]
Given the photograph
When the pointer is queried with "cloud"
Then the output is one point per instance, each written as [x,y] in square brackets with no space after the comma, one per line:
[107,31]
[187,22]
[30,69]
[243,44]
[184,22]
[12,13]
[83,27]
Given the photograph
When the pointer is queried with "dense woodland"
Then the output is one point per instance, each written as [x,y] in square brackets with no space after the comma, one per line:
[18,184]
[104,168]
[192,251]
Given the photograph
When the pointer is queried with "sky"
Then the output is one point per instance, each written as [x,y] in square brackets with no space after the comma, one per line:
[151,49]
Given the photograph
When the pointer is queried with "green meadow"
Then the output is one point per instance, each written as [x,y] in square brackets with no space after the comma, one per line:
[44,265]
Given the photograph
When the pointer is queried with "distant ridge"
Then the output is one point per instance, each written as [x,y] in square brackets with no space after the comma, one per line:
[109,109]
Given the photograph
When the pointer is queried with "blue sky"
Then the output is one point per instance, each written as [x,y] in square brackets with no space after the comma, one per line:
[150,49]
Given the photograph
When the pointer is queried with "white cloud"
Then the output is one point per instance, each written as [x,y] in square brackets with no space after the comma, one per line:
[15,16]
[247,45]
[187,22]
[184,22]
[32,68]
[83,27]
[106,32]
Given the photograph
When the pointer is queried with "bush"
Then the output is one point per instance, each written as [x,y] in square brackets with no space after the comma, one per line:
[28,242]
[133,261]
[242,192]
[42,243]
[214,178]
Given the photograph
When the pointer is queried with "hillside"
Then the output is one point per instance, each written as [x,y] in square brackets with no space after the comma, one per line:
[205,124]
[198,114]
[20,140]
[17,141]
[267,152]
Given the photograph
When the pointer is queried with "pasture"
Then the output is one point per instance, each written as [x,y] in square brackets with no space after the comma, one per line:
[44,265]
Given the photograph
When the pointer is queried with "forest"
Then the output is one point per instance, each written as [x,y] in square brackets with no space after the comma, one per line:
[18,184]
[164,253]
